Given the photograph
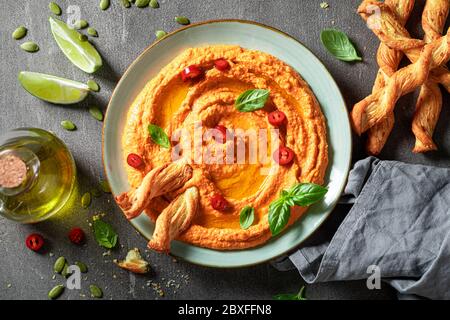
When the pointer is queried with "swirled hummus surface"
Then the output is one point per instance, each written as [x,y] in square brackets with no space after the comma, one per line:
[195,106]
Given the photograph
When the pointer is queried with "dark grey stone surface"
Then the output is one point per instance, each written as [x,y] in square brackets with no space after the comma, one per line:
[123,34]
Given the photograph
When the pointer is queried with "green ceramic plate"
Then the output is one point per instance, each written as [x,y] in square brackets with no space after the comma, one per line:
[253,36]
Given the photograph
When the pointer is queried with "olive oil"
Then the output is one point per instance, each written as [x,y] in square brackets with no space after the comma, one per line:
[48,176]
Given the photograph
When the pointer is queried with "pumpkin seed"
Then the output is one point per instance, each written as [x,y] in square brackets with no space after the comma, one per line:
[59,264]
[54,8]
[56,291]
[96,113]
[182,20]
[83,37]
[154,4]
[95,193]
[160,34]
[104,186]
[29,46]
[53,89]
[126,3]
[81,24]
[96,292]
[19,33]
[92,32]
[93,85]
[65,272]
[142,3]
[104,4]
[68,125]
[86,200]
[83,267]
[80,53]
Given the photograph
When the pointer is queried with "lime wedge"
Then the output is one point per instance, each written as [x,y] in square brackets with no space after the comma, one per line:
[53,89]
[81,53]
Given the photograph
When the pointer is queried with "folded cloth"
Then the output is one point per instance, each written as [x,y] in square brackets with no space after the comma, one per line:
[399,222]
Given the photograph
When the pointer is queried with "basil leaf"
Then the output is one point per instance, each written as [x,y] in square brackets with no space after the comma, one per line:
[246,217]
[302,194]
[279,214]
[104,234]
[306,194]
[159,136]
[288,296]
[252,100]
[339,45]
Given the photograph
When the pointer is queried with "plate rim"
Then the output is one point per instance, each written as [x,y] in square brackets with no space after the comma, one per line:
[212,21]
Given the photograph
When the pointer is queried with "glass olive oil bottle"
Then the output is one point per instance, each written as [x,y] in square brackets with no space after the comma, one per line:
[37,175]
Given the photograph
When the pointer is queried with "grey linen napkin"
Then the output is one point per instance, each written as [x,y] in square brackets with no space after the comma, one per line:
[399,221]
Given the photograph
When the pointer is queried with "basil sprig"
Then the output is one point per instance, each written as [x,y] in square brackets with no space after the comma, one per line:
[159,136]
[104,234]
[291,296]
[302,194]
[252,100]
[246,217]
[339,45]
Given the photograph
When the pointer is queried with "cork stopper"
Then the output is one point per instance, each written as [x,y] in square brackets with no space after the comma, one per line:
[13,171]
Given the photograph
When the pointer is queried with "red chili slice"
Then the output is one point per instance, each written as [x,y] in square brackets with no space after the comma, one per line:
[223,131]
[222,65]
[34,242]
[283,156]
[219,203]
[191,72]
[276,118]
[135,161]
[76,235]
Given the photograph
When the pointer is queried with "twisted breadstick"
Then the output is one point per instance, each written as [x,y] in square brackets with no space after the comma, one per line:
[429,103]
[387,25]
[428,108]
[442,76]
[379,105]
[368,112]
[175,219]
[389,30]
[388,60]
[434,17]
[157,182]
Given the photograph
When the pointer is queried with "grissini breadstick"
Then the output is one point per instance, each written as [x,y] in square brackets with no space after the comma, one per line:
[429,103]
[388,60]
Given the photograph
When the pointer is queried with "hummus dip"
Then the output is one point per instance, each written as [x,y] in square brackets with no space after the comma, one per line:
[172,103]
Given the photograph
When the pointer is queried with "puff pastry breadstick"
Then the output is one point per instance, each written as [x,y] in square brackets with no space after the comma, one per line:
[379,105]
[390,30]
[387,26]
[388,60]
[158,181]
[441,75]
[175,219]
[429,103]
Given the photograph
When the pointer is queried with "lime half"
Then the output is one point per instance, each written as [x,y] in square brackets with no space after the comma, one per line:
[80,53]
[53,89]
